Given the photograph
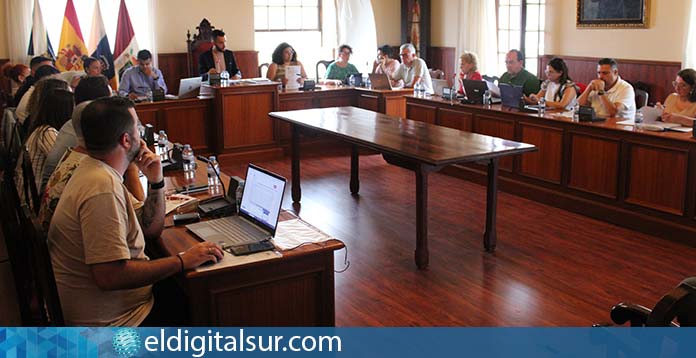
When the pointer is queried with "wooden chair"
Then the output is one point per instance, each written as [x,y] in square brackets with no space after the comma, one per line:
[202,42]
[679,303]
[30,191]
[324,63]
[263,69]
[50,312]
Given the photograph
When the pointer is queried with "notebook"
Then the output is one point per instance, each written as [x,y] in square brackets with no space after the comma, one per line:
[258,215]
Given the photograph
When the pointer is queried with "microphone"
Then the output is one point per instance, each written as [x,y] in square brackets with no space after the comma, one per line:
[204,159]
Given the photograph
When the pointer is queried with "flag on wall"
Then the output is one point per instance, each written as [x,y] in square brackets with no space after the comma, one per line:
[72,44]
[39,43]
[99,46]
[126,47]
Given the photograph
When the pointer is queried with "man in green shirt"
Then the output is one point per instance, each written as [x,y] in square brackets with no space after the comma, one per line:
[516,75]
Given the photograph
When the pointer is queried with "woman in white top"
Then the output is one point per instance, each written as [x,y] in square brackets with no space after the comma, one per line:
[680,106]
[559,90]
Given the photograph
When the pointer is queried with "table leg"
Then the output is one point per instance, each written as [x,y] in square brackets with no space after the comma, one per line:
[296,191]
[354,167]
[489,236]
[422,254]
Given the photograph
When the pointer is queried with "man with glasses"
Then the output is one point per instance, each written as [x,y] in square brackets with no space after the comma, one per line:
[516,75]
[412,70]
[609,95]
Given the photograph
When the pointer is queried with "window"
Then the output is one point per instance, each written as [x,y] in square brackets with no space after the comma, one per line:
[297,22]
[521,26]
[54,10]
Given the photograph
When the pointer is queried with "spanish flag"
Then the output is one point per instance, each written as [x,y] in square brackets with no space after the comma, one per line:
[72,44]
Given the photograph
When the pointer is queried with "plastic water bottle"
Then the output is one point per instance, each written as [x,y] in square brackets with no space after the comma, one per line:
[224,78]
[542,106]
[213,172]
[638,120]
[163,145]
[416,89]
[189,161]
[351,81]
[487,98]
[148,94]
[368,83]
[576,112]
[421,88]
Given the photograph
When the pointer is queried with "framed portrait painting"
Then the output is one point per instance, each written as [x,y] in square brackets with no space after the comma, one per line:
[612,14]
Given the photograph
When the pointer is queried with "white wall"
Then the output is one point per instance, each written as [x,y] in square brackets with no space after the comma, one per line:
[663,40]
[388,21]
[443,23]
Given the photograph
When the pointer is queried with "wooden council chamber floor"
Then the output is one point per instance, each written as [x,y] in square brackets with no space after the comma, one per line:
[551,267]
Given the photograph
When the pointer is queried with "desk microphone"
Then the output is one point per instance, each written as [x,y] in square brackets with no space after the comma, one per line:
[204,159]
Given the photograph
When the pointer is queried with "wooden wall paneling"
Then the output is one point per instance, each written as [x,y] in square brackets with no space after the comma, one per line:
[658,74]
[455,119]
[283,132]
[420,112]
[173,67]
[657,177]
[340,100]
[496,127]
[369,102]
[248,63]
[443,58]
[546,163]
[245,121]
[594,162]
[189,125]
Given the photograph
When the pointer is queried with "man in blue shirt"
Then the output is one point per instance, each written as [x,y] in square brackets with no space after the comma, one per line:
[137,81]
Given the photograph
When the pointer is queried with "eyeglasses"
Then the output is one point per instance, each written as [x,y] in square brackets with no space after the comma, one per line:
[404,54]
[679,84]
[508,62]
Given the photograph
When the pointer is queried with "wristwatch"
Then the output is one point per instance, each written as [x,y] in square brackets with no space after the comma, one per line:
[600,93]
[155,186]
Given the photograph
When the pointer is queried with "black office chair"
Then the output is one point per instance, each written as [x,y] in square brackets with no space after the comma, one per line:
[325,63]
[641,98]
[679,303]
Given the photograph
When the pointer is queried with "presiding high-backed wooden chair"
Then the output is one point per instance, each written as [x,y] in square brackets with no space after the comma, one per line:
[263,69]
[202,42]
[679,303]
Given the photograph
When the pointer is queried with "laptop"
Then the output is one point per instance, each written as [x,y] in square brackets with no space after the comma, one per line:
[257,221]
[510,95]
[380,81]
[189,87]
[474,91]
[438,85]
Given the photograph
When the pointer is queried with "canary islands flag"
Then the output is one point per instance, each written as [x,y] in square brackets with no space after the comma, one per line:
[99,46]
[72,44]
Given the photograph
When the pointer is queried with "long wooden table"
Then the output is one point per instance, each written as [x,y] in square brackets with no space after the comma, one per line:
[294,290]
[417,146]
[642,180]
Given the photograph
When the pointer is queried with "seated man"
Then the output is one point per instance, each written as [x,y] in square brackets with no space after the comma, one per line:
[218,58]
[609,95]
[96,245]
[412,70]
[137,81]
[517,75]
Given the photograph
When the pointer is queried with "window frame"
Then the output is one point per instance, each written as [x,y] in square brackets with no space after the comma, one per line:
[319,19]
[522,31]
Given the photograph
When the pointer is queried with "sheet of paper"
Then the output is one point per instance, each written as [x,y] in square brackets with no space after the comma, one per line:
[230,260]
[174,201]
[493,88]
[295,232]
[651,114]
[292,73]
[628,122]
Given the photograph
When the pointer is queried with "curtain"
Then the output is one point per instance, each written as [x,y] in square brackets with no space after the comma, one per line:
[356,27]
[477,33]
[18,26]
[689,60]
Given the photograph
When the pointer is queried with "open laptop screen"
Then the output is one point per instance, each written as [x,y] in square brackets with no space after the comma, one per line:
[262,197]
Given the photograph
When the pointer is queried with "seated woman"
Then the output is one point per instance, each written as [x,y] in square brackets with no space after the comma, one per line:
[93,67]
[559,90]
[680,107]
[284,55]
[340,69]
[54,108]
[468,70]
[17,73]
[384,63]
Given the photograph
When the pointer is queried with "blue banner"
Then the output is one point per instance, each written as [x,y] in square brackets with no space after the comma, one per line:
[347,342]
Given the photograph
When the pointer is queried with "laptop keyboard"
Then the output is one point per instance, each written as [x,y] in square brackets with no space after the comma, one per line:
[238,233]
